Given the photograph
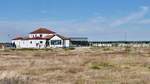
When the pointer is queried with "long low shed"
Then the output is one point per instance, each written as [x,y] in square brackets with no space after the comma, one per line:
[120,43]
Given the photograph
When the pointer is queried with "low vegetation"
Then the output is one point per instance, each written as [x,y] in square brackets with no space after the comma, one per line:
[95,65]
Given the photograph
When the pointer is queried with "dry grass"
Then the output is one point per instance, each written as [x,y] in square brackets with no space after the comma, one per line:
[75,66]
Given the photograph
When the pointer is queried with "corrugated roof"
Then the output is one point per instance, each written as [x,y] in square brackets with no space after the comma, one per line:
[62,37]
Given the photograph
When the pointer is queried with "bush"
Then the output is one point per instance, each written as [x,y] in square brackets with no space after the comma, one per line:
[95,66]
[106,48]
[127,49]
[100,65]
[69,48]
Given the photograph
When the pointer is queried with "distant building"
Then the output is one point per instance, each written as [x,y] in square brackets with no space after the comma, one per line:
[2,46]
[79,41]
[120,43]
[44,38]
[41,38]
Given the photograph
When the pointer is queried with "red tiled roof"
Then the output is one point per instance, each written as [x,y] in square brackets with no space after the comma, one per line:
[42,31]
[40,38]
[18,38]
[27,38]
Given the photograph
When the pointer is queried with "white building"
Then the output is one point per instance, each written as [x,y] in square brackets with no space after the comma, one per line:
[41,38]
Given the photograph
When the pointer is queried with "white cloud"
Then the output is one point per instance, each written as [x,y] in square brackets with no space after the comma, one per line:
[130,18]
[95,27]
[43,11]
[145,8]
[88,27]
[143,22]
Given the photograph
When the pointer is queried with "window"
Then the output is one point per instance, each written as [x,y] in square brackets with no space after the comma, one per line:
[55,42]
[40,35]
[41,42]
[30,42]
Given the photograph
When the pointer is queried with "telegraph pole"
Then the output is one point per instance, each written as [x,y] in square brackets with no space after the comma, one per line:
[125,36]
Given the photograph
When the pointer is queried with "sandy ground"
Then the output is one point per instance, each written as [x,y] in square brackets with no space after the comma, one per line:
[90,65]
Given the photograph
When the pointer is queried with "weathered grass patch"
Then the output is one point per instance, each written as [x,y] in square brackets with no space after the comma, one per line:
[15,80]
[39,71]
[80,66]
[70,48]
[100,65]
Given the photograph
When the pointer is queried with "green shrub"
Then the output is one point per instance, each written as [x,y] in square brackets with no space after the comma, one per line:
[25,49]
[95,66]
[100,65]
[69,48]
[106,48]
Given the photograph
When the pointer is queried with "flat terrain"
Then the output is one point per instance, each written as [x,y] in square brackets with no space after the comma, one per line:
[75,66]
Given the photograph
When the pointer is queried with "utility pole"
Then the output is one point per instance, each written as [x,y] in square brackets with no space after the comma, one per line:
[125,36]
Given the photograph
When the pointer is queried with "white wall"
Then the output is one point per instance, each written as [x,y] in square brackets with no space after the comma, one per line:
[28,44]
[56,38]
[67,43]
[35,42]
[17,42]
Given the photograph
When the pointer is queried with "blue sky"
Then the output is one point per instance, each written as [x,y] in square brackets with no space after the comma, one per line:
[96,19]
